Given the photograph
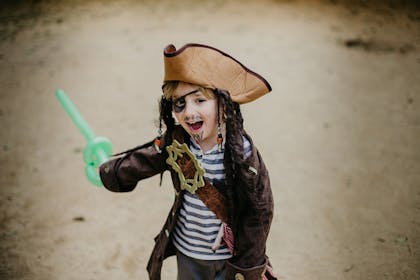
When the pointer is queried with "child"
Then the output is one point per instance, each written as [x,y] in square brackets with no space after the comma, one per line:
[221,216]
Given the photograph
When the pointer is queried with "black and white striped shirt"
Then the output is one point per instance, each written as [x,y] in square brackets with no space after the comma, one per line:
[197,226]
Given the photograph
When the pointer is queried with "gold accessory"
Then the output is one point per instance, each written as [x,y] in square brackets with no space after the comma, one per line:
[178,152]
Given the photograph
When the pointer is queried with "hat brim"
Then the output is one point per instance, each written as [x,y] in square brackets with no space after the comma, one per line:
[209,67]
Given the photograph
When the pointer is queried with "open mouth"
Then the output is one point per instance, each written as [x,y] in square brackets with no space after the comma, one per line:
[195,126]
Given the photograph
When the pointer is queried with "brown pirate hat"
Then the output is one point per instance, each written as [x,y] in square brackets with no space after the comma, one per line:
[209,67]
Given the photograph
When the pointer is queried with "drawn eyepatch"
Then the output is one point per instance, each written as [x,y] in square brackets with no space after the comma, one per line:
[178,104]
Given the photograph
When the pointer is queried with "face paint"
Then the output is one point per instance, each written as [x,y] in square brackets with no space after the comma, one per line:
[192,119]
[197,114]
[178,104]
[197,137]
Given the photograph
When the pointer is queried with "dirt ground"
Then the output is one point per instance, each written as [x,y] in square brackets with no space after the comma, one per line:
[340,132]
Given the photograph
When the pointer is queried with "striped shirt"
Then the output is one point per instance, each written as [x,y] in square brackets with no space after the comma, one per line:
[197,226]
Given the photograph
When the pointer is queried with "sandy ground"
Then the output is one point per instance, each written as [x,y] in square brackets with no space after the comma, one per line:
[340,132]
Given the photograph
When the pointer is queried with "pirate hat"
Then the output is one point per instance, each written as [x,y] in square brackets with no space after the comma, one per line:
[209,67]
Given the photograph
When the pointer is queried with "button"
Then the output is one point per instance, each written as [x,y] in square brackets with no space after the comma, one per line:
[167,232]
[253,170]
[239,276]
[106,169]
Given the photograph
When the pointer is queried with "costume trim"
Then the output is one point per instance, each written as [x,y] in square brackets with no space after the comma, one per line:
[180,152]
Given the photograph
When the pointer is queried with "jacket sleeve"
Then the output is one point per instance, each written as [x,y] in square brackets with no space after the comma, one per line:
[122,174]
[249,260]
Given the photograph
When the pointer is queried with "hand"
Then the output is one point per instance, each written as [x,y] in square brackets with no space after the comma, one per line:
[96,152]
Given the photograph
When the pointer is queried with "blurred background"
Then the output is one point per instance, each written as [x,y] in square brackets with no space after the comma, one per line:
[340,132]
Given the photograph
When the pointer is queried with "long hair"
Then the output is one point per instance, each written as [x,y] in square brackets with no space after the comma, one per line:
[234,148]
[165,116]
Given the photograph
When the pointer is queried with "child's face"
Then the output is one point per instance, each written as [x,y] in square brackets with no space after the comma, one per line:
[197,114]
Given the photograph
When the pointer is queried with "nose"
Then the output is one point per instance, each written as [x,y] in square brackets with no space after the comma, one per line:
[190,111]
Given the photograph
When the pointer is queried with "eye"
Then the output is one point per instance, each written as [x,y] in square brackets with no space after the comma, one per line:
[200,100]
[178,104]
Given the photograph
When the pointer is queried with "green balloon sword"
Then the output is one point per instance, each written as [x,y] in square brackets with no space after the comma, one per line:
[97,150]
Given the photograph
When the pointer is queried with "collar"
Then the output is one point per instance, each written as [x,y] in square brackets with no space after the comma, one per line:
[213,150]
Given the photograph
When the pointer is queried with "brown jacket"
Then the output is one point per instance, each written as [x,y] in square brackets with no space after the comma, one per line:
[252,222]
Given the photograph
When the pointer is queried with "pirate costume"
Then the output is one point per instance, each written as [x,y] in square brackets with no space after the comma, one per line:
[224,193]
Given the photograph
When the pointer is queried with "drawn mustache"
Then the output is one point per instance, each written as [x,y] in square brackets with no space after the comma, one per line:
[192,119]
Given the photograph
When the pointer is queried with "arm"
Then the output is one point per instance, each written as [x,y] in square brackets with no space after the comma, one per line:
[253,223]
[122,174]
